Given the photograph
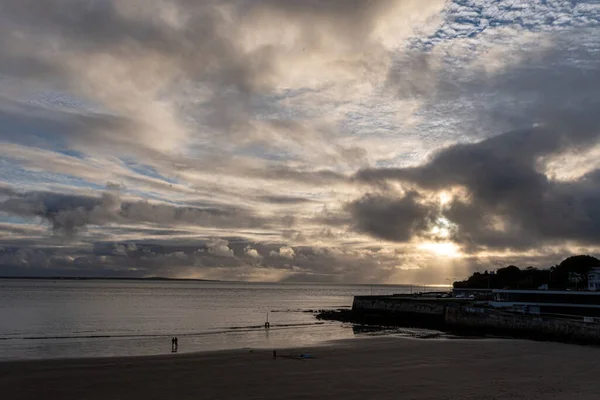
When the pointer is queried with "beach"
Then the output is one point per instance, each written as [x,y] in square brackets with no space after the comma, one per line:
[371,368]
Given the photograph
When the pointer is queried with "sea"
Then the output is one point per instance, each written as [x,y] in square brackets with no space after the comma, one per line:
[102,318]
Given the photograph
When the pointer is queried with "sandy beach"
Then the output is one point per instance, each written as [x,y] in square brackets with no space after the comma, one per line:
[374,368]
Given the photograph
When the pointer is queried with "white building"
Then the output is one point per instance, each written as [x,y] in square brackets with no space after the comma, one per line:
[594,279]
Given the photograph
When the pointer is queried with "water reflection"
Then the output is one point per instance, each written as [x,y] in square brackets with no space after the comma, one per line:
[43,319]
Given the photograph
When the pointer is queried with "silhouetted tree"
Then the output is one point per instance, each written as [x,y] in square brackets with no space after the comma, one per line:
[508,276]
[571,272]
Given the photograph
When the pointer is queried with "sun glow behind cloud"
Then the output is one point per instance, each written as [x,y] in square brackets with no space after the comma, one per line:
[444,198]
[442,249]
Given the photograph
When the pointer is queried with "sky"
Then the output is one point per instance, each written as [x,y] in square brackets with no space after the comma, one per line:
[339,141]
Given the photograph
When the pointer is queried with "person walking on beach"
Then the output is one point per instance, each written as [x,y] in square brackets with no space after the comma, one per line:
[172,344]
[176,343]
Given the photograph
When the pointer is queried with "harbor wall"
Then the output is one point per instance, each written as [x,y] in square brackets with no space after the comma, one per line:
[393,305]
[522,324]
[470,318]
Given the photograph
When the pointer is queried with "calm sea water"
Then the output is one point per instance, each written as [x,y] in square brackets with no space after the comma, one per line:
[56,319]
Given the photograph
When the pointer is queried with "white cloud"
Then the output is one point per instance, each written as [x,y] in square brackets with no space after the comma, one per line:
[253,253]
[219,248]
[285,252]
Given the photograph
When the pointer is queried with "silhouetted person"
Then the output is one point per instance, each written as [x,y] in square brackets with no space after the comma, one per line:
[173,344]
[274,354]
[176,343]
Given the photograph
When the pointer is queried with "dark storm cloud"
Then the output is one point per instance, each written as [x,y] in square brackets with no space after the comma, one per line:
[389,218]
[506,187]
[67,213]
[511,202]
[497,165]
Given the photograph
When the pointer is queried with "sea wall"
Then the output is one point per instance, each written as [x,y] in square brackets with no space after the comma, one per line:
[393,305]
[490,320]
[469,318]
[396,311]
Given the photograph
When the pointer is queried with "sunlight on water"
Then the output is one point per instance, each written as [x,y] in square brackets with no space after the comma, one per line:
[48,319]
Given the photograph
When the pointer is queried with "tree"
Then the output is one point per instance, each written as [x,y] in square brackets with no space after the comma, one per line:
[571,272]
[580,264]
[575,270]
[508,276]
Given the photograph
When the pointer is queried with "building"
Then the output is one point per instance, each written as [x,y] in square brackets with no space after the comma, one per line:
[594,279]
[470,293]
[548,302]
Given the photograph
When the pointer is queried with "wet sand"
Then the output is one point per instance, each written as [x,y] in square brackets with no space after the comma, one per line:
[375,368]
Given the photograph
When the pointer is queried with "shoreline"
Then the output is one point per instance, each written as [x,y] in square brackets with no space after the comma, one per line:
[380,367]
[357,333]
[368,333]
[77,347]
[333,344]
[183,354]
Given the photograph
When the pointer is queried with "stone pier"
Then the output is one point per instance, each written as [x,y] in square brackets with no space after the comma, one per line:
[469,317]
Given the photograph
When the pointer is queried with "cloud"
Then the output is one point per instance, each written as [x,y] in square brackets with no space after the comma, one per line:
[396,219]
[69,213]
[120,250]
[253,253]
[230,134]
[284,199]
[66,213]
[508,200]
[219,248]
[284,252]
[126,59]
